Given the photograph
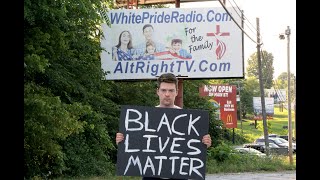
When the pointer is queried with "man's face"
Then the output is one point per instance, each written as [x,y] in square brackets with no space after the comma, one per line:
[147,32]
[167,93]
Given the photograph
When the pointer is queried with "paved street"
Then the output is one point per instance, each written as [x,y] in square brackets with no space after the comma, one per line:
[283,175]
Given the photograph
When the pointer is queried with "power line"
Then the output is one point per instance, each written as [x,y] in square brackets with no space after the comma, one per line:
[224,7]
[245,18]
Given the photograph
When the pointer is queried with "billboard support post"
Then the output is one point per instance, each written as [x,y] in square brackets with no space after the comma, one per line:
[179,99]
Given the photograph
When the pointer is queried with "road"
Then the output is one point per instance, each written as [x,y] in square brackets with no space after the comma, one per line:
[283,175]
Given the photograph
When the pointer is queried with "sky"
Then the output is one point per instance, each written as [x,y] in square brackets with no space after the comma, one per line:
[274,18]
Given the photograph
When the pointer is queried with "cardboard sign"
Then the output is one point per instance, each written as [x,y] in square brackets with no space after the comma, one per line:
[162,142]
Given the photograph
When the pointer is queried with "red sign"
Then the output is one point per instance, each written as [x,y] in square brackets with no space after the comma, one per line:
[223,96]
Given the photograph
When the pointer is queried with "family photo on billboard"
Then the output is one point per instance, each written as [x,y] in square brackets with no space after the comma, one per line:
[149,49]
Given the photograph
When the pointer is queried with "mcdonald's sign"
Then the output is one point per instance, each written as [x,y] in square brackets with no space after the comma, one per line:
[229,118]
[225,96]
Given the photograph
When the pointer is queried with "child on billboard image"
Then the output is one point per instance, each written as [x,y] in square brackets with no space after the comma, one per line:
[175,51]
[124,49]
[150,48]
[176,48]
[149,52]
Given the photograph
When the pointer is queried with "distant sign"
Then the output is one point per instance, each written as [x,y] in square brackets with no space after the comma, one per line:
[279,95]
[257,107]
[225,97]
[162,142]
[209,41]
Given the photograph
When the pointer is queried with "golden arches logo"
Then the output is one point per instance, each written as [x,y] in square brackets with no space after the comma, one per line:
[229,118]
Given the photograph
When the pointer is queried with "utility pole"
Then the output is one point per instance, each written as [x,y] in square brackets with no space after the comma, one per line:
[295,117]
[239,87]
[263,108]
[242,25]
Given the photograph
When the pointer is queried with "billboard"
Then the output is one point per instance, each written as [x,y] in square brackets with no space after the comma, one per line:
[190,43]
[257,107]
[224,97]
[123,3]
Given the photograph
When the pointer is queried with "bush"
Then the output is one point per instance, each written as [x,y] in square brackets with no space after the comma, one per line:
[220,153]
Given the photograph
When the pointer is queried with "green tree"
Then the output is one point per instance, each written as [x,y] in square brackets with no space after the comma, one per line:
[47,121]
[250,89]
[282,83]
[266,67]
[66,103]
[192,100]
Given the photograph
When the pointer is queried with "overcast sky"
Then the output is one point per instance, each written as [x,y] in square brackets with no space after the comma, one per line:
[274,17]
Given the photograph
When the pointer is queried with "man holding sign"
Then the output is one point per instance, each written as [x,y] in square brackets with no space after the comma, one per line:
[167,91]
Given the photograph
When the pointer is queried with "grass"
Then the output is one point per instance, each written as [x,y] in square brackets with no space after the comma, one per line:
[279,120]
[250,164]
[234,164]
[238,163]
[247,164]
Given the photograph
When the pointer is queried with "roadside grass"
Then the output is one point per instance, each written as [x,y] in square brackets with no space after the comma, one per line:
[280,119]
[249,163]
[237,163]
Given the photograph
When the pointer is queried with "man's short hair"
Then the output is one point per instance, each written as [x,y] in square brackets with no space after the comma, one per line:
[167,78]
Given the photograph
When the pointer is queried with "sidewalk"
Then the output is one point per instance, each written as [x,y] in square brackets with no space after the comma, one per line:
[283,175]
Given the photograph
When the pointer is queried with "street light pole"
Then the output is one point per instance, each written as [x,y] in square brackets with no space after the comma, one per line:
[287,32]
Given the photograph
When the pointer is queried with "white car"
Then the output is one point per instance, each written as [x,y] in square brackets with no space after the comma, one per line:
[250,151]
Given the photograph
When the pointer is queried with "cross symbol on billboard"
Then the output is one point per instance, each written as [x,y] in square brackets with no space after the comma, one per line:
[221,47]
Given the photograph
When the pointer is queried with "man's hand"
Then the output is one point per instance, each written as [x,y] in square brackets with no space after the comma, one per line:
[206,140]
[119,137]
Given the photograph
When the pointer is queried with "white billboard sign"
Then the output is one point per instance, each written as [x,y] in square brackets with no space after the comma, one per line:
[269,105]
[191,43]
